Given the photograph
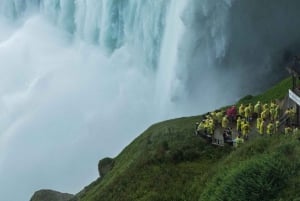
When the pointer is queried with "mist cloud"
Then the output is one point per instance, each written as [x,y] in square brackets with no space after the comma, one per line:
[64,105]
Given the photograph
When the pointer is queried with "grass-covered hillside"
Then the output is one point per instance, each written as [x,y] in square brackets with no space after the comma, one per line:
[169,163]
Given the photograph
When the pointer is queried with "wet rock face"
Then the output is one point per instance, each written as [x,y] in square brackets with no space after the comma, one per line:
[50,195]
[105,165]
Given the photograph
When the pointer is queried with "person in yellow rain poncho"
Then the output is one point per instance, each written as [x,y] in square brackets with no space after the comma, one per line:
[206,126]
[265,106]
[262,127]
[288,130]
[293,114]
[257,109]
[272,104]
[238,141]
[219,116]
[213,115]
[258,121]
[270,128]
[241,110]
[251,110]
[247,111]
[296,133]
[225,122]
[264,114]
[289,115]
[245,129]
[211,126]
[272,114]
[238,123]
[201,127]
[277,111]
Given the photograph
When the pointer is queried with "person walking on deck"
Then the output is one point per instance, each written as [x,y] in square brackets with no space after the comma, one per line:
[257,109]
[238,123]
[270,128]
[225,122]
[247,111]
[258,121]
[262,127]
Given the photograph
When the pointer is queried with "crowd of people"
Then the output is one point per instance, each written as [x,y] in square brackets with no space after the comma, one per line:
[265,118]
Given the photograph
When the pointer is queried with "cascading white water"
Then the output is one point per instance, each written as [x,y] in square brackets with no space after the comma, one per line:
[78,82]
[169,56]
[79,79]
[111,24]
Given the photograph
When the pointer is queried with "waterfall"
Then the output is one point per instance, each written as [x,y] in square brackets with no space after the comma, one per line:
[108,23]
[161,32]
[147,27]
[79,79]
[169,56]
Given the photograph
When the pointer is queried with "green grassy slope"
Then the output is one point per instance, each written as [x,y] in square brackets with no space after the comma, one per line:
[279,91]
[162,164]
[168,162]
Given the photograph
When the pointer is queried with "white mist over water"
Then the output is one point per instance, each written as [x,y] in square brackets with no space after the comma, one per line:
[64,105]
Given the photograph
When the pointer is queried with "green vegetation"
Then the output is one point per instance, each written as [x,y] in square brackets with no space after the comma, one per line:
[162,164]
[168,162]
[278,91]
[258,171]
[49,195]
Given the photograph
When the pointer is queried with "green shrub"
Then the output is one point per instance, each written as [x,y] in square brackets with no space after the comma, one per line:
[260,178]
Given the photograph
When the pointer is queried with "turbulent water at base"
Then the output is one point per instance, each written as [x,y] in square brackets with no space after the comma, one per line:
[79,79]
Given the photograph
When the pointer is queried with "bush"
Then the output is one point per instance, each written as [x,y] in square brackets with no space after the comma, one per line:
[257,179]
